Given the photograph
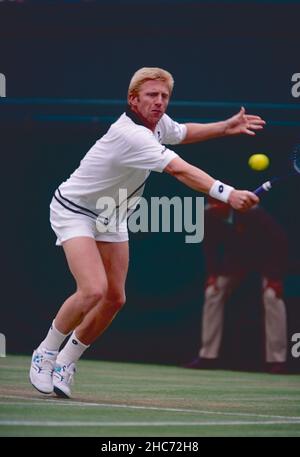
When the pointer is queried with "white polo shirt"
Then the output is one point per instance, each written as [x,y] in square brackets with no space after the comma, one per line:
[122,159]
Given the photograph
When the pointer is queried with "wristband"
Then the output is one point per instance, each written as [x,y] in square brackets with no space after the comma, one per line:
[220,191]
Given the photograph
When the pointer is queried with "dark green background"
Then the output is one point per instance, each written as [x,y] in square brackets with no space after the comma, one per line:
[235,53]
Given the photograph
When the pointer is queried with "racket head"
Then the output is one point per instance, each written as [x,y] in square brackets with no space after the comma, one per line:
[296,158]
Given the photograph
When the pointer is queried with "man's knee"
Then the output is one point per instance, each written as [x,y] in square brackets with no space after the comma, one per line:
[115,300]
[91,296]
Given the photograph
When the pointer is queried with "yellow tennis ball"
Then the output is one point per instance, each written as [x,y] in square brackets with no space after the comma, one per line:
[258,162]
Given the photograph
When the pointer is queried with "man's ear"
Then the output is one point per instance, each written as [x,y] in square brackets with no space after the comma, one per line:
[132,99]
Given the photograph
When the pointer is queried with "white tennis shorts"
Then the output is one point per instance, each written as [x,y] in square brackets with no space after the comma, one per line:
[67,224]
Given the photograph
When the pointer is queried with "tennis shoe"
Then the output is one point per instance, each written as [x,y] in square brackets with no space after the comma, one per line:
[41,370]
[63,378]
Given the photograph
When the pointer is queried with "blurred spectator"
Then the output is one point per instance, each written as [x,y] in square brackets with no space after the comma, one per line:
[235,245]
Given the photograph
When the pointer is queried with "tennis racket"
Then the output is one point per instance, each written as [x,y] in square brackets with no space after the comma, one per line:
[294,170]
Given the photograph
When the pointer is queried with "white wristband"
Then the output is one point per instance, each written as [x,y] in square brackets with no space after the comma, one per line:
[220,191]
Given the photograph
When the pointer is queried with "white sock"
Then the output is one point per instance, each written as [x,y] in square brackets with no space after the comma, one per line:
[72,351]
[53,340]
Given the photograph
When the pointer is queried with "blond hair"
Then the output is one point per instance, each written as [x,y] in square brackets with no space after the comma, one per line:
[147,74]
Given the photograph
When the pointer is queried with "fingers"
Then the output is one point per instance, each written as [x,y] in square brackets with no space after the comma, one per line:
[241,114]
[252,117]
[242,200]
[255,126]
[255,123]
[244,123]
[248,199]
[253,197]
[249,132]
[245,205]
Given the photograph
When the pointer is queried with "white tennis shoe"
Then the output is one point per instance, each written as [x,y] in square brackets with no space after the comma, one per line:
[41,370]
[63,378]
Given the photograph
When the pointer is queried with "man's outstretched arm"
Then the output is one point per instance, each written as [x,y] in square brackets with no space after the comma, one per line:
[202,182]
[240,123]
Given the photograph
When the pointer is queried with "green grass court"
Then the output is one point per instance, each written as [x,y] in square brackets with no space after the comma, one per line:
[127,400]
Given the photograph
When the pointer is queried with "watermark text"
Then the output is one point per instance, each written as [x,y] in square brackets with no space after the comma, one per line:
[160,214]
[2,345]
[296,347]
[2,85]
[295,90]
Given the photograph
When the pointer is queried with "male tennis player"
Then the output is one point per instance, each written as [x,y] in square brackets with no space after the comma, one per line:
[98,259]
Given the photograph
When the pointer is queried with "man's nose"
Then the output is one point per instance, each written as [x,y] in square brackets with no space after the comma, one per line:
[158,100]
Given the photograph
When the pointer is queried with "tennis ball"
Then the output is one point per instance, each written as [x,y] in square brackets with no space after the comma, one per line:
[258,162]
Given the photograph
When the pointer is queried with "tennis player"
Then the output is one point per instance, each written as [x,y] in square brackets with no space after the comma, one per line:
[97,250]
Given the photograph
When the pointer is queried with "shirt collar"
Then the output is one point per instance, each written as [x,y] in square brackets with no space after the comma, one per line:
[133,116]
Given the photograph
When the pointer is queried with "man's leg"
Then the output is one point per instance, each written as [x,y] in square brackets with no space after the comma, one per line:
[216,294]
[115,260]
[275,322]
[88,270]
[87,267]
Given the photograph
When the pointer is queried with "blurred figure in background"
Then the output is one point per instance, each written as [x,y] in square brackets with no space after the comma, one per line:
[235,245]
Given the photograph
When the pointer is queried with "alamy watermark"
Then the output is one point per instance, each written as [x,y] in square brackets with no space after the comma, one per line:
[159,214]
[2,85]
[2,345]
[296,347]
[295,90]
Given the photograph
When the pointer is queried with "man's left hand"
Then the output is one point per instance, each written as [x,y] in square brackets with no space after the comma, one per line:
[243,123]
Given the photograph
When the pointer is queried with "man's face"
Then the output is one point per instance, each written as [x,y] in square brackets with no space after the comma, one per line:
[151,102]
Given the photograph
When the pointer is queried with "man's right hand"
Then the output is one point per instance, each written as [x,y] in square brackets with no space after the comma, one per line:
[242,200]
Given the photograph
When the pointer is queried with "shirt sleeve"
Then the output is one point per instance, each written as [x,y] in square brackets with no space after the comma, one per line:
[171,131]
[143,151]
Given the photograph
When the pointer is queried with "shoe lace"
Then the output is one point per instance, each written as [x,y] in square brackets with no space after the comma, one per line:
[46,364]
[66,373]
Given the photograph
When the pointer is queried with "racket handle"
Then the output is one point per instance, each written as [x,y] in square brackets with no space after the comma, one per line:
[265,187]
